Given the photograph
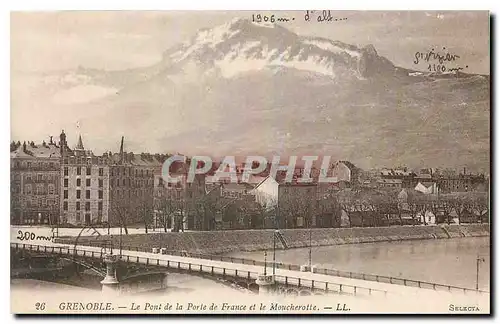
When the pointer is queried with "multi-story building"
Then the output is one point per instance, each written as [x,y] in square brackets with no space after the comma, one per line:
[35,183]
[132,187]
[184,205]
[462,183]
[295,203]
[84,183]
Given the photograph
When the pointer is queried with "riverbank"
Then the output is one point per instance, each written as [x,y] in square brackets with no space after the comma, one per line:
[220,242]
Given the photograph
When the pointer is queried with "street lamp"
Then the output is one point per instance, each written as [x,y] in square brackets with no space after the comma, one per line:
[274,250]
[265,263]
[121,241]
[478,260]
[310,246]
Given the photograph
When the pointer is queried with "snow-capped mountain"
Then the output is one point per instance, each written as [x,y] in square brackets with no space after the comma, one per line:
[245,88]
[241,46]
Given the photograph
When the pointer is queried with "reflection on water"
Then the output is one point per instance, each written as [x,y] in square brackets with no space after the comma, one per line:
[447,261]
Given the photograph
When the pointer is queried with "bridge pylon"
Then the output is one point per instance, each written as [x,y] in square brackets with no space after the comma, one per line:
[267,284]
[110,284]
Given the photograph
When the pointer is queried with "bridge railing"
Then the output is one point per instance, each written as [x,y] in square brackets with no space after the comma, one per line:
[223,272]
[331,272]
[329,287]
[279,265]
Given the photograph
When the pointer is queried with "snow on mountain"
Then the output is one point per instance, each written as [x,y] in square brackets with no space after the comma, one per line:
[241,46]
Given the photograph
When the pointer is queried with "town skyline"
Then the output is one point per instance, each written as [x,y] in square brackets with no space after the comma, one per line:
[241,160]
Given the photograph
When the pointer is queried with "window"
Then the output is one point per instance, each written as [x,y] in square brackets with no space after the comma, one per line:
[124,182]
[78,182]
[101,183]
[78,170]
[87,205]
[39,177]
[78,216]
[87,194]
[89,170]
[51,189]
[78,194]
[101,172]
[77,205]
[29,164]
[99,205]
[112,182]
[65,183]
[100,194]
[87,182]
[27,189]
[65,205]
[65,194]
[28,177]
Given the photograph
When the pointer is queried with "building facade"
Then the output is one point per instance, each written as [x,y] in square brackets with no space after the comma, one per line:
[84,183]
[35,183]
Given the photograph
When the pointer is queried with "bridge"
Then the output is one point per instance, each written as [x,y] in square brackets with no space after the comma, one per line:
[255,278]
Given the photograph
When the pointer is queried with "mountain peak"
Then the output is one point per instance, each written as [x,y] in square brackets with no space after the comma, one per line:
[241,46]
[370,49]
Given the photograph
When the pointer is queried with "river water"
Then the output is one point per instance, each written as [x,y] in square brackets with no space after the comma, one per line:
[446,261]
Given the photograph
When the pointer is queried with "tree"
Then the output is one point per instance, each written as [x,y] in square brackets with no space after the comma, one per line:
[369,204]
[121,213]
[472,202]
[296,207]
[205,207]
[144,209]
[416,204]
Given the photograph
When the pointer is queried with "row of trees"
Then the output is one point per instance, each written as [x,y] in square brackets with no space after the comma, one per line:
[363,207]
[380,204]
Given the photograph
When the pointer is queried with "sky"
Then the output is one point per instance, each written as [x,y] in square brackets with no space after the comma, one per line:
[118,40]
[44,41]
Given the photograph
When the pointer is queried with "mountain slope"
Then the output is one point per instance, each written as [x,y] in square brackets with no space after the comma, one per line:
[242,88]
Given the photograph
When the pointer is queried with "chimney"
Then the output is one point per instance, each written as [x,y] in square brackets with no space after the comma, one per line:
[51,142]
[24,146]
[121,151]
[464,170]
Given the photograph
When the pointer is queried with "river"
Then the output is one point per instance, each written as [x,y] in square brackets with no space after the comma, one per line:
[446,261]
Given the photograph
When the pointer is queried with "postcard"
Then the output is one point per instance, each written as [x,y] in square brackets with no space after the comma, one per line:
[250,162]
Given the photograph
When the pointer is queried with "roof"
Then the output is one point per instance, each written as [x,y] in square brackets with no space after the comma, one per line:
[427,183]
[237,186]
[141,159]
[37,151]
[394,181]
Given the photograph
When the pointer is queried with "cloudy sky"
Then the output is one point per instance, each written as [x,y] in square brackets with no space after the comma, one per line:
[120,40]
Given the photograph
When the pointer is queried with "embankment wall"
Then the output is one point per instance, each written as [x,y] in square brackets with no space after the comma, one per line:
[219,242]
